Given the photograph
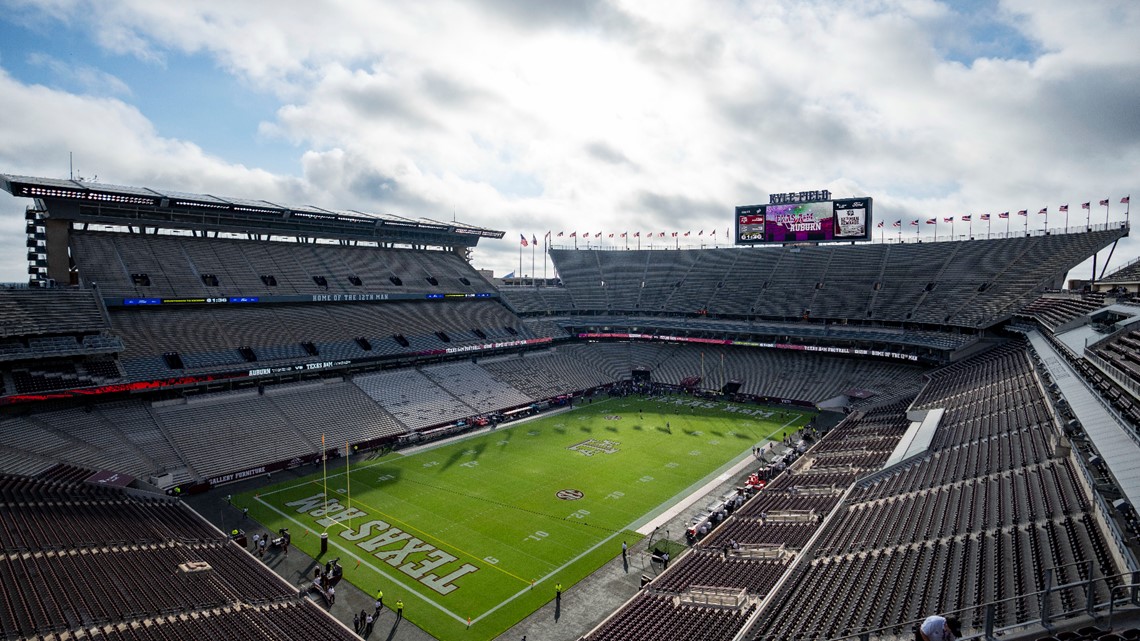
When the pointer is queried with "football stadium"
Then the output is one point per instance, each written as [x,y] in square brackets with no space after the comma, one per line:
[225,417]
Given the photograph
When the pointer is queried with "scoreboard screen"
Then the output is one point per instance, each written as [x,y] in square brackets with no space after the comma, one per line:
[824,221]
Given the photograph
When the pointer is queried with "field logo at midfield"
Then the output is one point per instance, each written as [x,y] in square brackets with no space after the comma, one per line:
[593,446]
[569,494]
[378,538]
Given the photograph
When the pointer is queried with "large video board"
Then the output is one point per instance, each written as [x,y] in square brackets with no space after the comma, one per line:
[846,219]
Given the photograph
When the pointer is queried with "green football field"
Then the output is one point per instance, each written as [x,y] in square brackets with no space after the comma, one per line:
[484,527]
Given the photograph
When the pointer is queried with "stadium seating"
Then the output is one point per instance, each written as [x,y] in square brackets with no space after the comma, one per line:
[82,561]
[174,267]
[967,284]
[978,518]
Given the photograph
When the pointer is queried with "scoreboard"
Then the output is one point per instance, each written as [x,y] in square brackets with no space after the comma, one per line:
[823,221]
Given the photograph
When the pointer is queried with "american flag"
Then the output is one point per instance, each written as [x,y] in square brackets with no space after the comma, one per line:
[1104,203]
[914,222]
[984,216]
[948,220]
[1085,205]
[1124,201]
[560,234]
[1004,214]
[1023,212]
[897,223]
[523,240]
[1064,209]
[1044,210]
[967,219]
[931,221]
[880,224]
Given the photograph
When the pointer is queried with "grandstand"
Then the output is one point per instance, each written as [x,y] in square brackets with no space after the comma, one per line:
[984,464]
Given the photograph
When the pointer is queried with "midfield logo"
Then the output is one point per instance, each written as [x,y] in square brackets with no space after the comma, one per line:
[593,446]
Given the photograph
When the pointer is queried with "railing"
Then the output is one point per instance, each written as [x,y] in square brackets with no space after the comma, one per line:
[884,235]
[1125,593]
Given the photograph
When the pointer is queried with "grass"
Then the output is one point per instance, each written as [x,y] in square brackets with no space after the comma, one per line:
[476,528]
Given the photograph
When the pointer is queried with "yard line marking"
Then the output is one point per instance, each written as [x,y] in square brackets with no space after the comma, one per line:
[440,543]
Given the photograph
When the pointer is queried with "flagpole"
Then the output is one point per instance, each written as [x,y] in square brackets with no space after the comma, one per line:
[545,255]
[325,475]
[1106,206]
[348,480]
[532,280]
[520,273]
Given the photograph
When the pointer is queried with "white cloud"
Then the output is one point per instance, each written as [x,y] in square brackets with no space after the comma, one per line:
[625,115]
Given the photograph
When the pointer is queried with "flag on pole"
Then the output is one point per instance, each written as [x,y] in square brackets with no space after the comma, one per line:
[598,235]
[1125,200]
[984,216]
[611,236]
[534,239]
[573,234]
[897,223]
[880,224]
[637,234]
[1044,210]
[1023,212]
[967,218]
[523,240]
[931,221]
[560,234]
[687,233]
[624,234]
[702,233]
[1104,203]
[1086,205]
[1004,214]
[948,220]
[1064,209]
[713,233]
[674,234]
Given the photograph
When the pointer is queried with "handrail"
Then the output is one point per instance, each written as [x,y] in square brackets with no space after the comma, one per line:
[1131,582]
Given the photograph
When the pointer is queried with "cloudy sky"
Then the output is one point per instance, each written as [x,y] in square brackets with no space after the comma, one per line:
[581,115]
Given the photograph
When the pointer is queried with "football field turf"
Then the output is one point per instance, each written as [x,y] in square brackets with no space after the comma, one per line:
[484,527]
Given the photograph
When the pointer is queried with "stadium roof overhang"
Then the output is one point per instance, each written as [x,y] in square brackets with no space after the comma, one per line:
[99,203]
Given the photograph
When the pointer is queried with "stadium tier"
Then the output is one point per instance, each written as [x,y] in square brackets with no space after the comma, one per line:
[80,561]
[188,341]
[966,284]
